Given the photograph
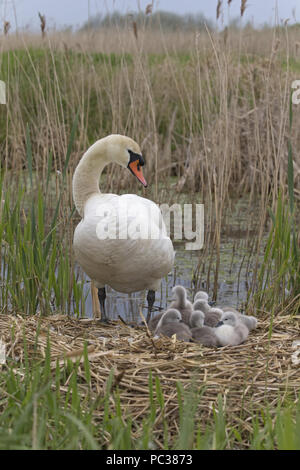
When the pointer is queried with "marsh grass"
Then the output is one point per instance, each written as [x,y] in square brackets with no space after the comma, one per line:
[37,417]
[279,272]
[36,259]
[279,275]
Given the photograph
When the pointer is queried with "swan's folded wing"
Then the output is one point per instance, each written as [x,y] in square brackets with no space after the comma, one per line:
[119,236]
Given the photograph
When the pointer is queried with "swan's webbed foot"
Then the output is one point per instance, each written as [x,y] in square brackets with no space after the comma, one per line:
[150,300]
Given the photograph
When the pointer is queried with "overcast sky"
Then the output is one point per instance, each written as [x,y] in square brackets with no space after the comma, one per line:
[75,12]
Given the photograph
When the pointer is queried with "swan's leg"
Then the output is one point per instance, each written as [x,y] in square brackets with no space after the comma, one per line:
[150,300]
[102,297]
[95,301]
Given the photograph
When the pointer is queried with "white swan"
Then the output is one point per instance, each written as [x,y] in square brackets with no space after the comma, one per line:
[112,242]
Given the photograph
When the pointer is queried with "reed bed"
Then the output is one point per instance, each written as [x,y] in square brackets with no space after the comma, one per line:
[210,110]
[213,114]
[244,380]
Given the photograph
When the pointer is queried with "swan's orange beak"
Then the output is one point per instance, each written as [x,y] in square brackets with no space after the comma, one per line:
[136,170]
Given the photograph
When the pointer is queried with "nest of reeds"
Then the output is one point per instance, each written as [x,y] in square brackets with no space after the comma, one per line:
[250,376]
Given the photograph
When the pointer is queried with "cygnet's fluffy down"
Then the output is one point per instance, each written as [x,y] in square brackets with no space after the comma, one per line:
[201,295]
[182,304]
[154,321]
[230,330]
[171,324]
[212,315]
[202,334]
[249,321]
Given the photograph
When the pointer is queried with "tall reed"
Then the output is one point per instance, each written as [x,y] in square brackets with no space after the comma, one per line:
[37,267]
[211,117]
[279,275]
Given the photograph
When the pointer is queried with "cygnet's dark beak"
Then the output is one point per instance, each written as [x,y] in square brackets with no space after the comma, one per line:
[220,323]
[211,303]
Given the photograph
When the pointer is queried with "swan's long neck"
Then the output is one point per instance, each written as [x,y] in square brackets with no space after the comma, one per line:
[87,173]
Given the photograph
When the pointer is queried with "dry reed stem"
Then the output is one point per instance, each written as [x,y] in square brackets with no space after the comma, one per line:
[135,30]
[250,376]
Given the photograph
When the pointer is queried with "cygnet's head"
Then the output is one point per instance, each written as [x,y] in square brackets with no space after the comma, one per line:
[228,318]
[201,295]
[179,292]
[216,310]
[201,304]
[197,319]
[171,315]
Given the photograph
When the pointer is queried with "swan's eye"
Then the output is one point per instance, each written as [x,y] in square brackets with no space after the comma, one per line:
[136,156]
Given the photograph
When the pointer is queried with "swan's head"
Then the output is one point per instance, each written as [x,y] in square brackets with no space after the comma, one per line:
[228,318]
[127,153]
[197,319]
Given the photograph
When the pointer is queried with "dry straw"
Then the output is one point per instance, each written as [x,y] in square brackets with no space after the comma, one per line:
[249,377]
